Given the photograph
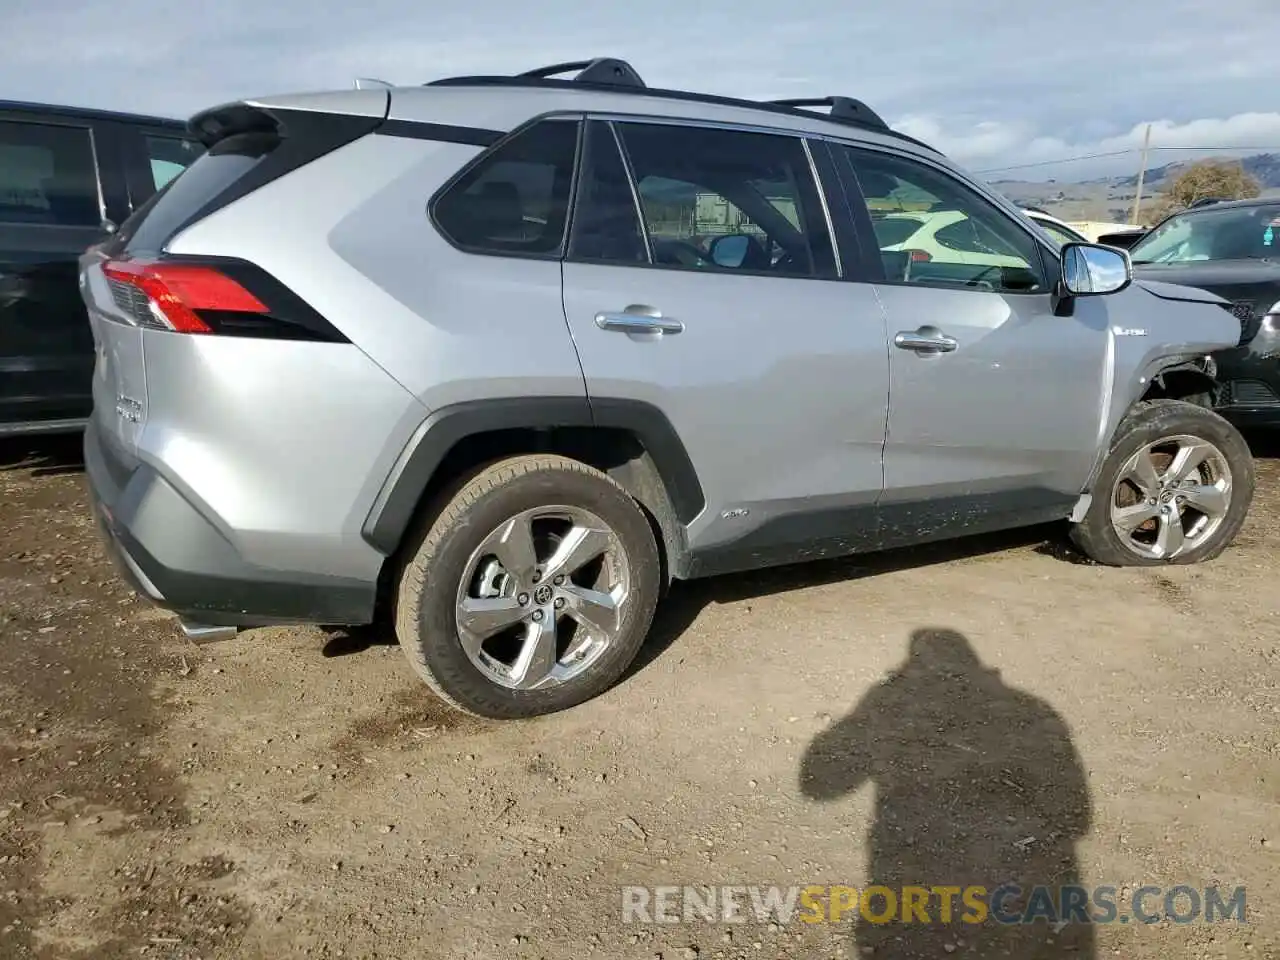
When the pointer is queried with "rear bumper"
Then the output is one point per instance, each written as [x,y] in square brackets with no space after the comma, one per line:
[170,552]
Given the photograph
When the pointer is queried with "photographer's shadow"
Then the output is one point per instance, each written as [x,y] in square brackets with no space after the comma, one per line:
[976,784]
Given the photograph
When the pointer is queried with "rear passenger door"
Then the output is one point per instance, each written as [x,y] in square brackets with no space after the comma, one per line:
[701,280]
[51,209]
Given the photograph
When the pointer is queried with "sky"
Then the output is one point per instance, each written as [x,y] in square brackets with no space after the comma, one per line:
[1004,88]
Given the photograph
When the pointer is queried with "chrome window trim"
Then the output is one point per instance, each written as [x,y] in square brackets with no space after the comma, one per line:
[631,185]
[826,207]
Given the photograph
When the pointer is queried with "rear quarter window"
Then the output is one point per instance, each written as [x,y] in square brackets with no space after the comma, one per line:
[515,201]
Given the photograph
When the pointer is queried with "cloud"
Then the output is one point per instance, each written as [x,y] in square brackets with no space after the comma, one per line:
[991,86]
[1018,151]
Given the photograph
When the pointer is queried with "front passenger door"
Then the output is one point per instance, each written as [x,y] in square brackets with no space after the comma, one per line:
[996,403]
[770,367]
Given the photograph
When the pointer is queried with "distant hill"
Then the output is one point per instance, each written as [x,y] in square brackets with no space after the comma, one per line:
[1263,167]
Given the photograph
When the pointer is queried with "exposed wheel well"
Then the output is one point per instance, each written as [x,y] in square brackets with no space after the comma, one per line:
[615,451]
[1182,383]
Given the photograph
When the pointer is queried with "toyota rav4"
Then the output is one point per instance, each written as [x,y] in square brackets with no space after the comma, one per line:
[501,357]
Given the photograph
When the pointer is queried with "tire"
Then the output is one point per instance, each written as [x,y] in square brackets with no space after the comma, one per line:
[452,545]
[1153,422]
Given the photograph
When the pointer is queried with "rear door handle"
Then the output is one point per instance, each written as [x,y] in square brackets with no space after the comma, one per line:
[925,340]
[639,318]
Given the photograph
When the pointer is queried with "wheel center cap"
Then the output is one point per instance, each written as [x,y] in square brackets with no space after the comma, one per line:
[1166,496]
[542,595]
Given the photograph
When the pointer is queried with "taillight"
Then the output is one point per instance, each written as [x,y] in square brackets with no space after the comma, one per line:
[920,256]
[213,295]
[175,293]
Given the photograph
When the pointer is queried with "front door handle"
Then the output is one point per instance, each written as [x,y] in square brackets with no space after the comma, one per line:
[925,340]
[639,318]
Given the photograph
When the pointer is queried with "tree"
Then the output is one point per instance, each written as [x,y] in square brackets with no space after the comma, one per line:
[1224,179]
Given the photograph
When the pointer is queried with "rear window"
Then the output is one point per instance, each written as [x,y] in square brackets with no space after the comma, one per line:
[169,156]
[226,162]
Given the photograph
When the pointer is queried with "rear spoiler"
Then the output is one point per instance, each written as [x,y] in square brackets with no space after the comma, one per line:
[363,108]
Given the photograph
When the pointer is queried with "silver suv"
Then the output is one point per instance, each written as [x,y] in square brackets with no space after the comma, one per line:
[502,357]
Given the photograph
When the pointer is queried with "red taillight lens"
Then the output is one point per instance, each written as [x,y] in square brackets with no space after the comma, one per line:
[177,290]
[920,256]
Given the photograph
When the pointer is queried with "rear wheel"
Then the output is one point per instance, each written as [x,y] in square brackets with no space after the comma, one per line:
[531,591]
[1175,488]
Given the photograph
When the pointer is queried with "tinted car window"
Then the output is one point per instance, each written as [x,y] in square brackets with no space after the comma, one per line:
[700,186]
[966,241]
[1059,235]
[152,224]
[891,231]
[169,156]
[606,223]
[1222,233]
[516,200]
[47,175]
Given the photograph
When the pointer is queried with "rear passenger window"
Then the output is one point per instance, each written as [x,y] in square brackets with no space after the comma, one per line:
[516,200]
[728,201]
[47,175]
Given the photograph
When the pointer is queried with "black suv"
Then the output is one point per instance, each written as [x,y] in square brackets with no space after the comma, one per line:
[68,176]
[1231,248]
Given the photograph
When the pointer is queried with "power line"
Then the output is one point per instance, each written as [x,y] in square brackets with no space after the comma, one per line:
[1116,153]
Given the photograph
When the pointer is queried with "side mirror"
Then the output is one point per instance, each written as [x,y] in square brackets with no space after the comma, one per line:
[1092,270]
[730,250]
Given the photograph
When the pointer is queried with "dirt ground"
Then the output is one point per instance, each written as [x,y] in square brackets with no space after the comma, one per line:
[963,714]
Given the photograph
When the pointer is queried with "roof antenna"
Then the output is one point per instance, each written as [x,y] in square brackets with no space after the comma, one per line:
[368,83]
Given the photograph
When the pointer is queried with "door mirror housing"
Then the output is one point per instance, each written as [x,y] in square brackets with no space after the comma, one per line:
[730,250]
[1092,270]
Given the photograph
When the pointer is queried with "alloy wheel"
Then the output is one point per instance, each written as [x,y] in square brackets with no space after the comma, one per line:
[1171,496]
[542,598]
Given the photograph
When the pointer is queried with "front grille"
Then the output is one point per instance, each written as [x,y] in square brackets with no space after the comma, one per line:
[1246,311]
[1243,309]
[133,302]
[1249,393]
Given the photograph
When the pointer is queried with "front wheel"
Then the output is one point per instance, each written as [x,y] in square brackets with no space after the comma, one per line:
[1175,488]
[531,591]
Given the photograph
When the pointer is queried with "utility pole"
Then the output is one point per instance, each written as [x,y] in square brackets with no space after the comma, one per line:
[1142,175]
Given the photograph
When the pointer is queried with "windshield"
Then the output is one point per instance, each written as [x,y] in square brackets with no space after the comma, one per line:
[1225,233]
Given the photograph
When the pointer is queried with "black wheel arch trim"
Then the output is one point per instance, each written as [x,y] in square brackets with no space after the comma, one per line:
[1152,373]
[397,501]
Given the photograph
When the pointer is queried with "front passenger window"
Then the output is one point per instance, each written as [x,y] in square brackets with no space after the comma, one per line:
[932,229]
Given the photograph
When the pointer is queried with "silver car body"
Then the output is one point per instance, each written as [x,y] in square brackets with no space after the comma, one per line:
[238,460]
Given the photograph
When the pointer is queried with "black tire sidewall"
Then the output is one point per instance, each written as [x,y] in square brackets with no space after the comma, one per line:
[1146,425]
[438,645]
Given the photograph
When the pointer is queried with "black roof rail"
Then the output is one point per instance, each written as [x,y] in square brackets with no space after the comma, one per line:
[841,108]
[610,74]
[606,70]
